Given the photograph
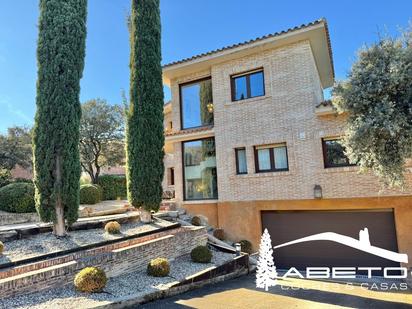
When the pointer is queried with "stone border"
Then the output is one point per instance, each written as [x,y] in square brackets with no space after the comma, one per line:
[239,266]
[82,248]
[92,223]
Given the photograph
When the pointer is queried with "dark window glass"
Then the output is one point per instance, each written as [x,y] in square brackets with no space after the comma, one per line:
[240,88]
[241,164]
[248,86]
[271,158]
[200,177]
[171,176]
[256,85]
[334,153]
[196,104]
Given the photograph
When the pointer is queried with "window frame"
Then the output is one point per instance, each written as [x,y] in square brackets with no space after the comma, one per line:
[195,81]
[183,170]
[248,89]
[326,163]
[237,161]
[272,158]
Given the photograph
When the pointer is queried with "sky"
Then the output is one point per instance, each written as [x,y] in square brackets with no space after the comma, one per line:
[189,27]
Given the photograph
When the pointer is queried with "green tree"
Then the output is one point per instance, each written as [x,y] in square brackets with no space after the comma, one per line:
[15,148]
[206,102]
[377,96]
[60,56]
[101,137]
[144,133]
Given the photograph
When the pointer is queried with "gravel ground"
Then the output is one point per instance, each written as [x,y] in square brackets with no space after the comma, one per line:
[47,242]
[136,283]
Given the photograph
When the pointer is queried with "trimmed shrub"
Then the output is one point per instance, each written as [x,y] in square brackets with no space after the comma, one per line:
[158,267]
[201,254]
[90,194]
[112,227]
[17,197]
[1,248]
[19,179]
[196,221]
[114,187]
[90,279]
[219,234]
[246,246]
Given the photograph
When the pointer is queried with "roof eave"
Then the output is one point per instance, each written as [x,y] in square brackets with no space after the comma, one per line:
[316,32]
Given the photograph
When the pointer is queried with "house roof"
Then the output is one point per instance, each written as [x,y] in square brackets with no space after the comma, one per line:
[316,32]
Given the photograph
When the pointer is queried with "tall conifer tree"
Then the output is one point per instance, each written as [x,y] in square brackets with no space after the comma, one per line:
[145,139]
[60,57]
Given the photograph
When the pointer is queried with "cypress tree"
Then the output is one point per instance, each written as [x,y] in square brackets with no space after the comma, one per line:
[145,139]
[60,56]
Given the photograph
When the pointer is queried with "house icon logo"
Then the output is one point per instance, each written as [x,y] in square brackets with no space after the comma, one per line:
[362,244]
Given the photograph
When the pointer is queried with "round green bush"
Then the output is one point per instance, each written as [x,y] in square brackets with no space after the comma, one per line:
[196,221]
[90,279]
[90,194]
[114,187]
[158,267]
[17,197]
[246,246]
[219,234]
[201,254]
[1,248]
[112,227]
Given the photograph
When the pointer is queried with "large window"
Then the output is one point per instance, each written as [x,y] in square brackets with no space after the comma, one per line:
[271,158]
[334,153]
[248,85]
[241,164]
[196,104]
[199,173]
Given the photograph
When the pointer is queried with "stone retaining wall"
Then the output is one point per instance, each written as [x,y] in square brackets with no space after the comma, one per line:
[7,218]
[115,259]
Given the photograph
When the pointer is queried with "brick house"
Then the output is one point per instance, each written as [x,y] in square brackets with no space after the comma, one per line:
[252,144]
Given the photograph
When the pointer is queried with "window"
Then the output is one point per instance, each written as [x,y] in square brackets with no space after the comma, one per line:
[171,176]
[248,85]
[334,153]
[241,165]
[199,173]
[196,104]
[271,158]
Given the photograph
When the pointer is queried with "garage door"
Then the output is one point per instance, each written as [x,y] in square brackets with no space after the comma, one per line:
[286,226]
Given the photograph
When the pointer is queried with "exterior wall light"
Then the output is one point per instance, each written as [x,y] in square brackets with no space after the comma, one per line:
[238,248]
[317,192]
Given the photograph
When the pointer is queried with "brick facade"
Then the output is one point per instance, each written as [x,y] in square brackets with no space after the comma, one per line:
[294,79]
[286,114]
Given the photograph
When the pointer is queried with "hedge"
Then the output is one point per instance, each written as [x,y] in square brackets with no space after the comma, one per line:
[17,197]
[113,186]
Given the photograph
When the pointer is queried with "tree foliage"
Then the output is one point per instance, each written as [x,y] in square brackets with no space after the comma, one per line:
[15,148]
[101,137]
[377,97]
[60,55]
[144,133]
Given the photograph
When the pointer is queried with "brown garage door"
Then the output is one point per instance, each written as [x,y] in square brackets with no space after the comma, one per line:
[285,226]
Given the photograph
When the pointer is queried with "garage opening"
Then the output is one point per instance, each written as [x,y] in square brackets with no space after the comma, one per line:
[286,226]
